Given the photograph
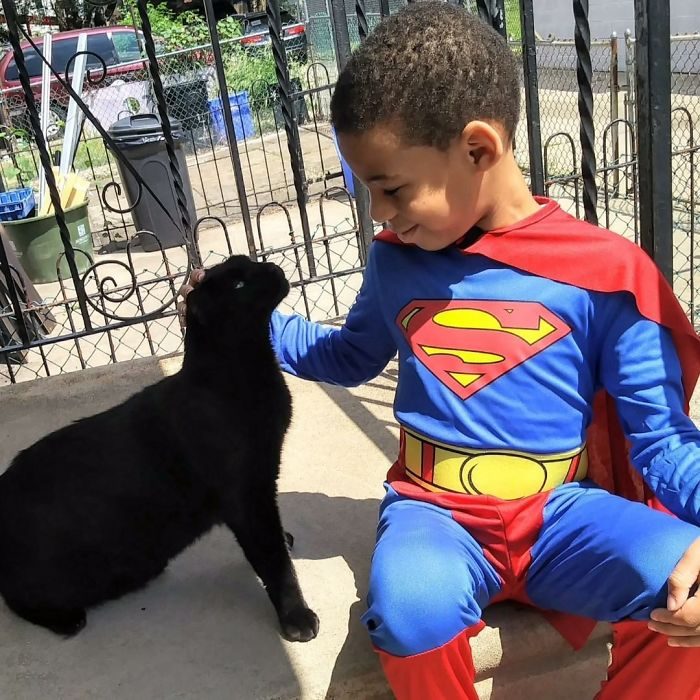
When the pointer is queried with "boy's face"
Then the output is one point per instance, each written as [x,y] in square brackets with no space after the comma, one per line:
[429,197]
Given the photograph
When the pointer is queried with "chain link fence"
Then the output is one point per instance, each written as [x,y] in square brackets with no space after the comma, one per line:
[193,98]
[125,281]
[558,99]
[685,145]
[132,284]
[614,120]
[614,148]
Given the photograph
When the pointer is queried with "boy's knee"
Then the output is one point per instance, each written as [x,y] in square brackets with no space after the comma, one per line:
[650,560]
[410,617]
[665,541]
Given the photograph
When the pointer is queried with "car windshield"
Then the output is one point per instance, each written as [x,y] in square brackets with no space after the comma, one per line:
[127,46]
[101,45]
[62,50]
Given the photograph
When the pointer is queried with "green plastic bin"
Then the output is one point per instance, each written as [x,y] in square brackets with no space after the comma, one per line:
[37,242]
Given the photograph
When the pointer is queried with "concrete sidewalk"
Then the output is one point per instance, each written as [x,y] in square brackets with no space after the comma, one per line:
[205,629]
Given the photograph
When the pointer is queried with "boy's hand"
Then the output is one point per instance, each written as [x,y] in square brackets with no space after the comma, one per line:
[680,620]
[195,278]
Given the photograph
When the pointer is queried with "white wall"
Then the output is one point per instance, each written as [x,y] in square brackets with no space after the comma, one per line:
[556,17]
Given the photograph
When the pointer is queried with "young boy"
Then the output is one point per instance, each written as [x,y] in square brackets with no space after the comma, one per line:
[522,335]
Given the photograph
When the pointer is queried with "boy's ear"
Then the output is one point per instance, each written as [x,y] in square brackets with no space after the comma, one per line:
[482,144]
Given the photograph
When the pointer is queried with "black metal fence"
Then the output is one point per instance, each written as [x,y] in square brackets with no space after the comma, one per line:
[267,180]
[193,97]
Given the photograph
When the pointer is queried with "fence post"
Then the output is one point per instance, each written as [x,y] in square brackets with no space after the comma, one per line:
[229,127]
[630,102]
[615,110]
[12,295]
[342,54]
[291,128]
[493,12]
[653,90]
[177,181]
[584,76]
[45,158]
[362,26]
[532,102]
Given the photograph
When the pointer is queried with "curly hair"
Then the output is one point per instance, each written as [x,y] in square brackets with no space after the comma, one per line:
[433,67]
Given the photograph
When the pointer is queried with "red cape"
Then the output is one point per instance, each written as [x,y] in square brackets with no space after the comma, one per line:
[557,246]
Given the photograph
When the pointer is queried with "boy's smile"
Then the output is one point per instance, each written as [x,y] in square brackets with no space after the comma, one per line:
[431,197]
[426,195]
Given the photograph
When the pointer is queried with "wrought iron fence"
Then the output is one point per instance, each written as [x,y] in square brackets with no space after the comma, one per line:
[616,153]
[193,98]
[266,177]
[558,96]
[117,301]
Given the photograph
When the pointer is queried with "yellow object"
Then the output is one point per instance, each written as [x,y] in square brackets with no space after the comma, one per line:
[76,191]
[504,474]
[72,188]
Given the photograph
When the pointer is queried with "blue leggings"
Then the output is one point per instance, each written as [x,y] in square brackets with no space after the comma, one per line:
[594,554]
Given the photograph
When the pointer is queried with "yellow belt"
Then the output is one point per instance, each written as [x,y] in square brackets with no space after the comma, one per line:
[504,474]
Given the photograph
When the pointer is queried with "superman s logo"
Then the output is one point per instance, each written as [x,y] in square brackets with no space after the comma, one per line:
[469,344]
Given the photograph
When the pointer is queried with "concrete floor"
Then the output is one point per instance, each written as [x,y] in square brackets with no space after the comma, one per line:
[205,629]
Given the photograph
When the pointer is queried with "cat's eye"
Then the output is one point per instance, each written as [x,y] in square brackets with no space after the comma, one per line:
[239,284]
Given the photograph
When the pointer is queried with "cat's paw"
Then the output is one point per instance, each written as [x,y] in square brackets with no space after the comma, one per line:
[299,625]
[75,624]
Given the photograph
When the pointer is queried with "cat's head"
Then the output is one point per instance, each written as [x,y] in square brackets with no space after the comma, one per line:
[237,289]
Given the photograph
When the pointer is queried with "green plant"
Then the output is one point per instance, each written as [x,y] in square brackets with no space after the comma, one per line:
[512,8]
[19,169]
[183,30]
[252,73]
[255,74]
[89,155]
[17,166]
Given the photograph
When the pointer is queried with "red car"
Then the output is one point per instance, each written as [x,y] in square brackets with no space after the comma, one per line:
[119,47]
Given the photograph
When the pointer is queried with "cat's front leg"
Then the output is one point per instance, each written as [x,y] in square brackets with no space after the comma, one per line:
[255,522]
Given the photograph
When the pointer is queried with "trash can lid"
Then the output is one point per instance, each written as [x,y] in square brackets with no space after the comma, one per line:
[142,128]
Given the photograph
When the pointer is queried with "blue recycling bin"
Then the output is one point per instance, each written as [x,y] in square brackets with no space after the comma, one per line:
[240,111]
[347,173]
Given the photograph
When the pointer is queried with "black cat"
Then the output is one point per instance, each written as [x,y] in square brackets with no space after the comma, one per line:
[98,508]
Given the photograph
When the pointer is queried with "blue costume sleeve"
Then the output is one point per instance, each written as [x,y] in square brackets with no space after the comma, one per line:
[639,367]
[350,355]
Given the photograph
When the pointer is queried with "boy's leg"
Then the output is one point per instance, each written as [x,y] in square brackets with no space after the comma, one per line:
[428,584]
[607,558]
[641,657]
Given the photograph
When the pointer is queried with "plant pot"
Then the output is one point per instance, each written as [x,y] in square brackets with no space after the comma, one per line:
[38,245]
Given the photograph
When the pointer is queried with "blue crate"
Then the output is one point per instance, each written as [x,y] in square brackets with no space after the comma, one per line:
[16,204]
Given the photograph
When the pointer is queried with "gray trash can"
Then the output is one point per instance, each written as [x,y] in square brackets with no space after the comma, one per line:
[140,139]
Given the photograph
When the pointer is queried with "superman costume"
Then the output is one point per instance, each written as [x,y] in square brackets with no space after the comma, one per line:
[524,356]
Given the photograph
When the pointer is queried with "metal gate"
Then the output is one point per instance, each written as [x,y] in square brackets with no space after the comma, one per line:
[267,179]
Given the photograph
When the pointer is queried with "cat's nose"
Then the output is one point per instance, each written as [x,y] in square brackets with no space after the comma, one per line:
[275,269]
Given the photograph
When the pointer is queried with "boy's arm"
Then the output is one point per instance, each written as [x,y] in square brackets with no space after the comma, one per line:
[639,367]
[349,355]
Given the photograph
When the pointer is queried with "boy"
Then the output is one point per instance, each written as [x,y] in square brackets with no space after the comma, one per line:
[515,324]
